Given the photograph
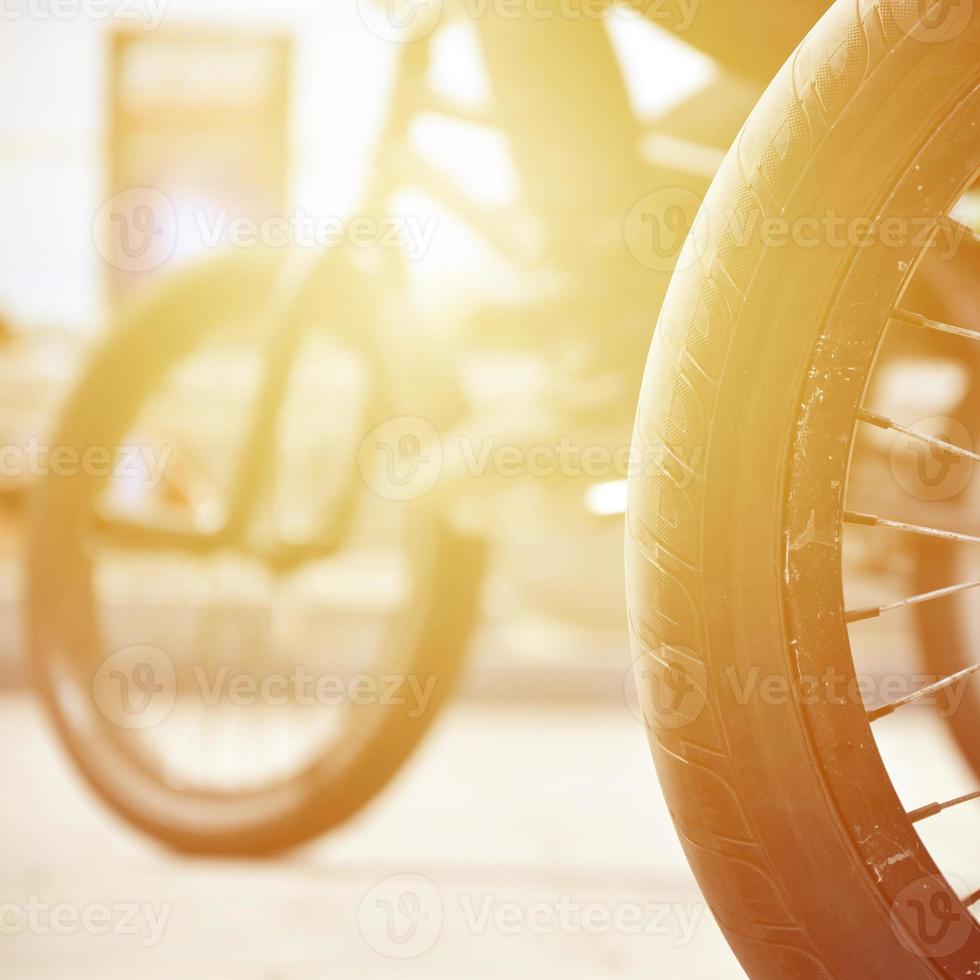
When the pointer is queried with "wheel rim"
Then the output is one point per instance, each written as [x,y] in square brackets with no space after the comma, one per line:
[840,734]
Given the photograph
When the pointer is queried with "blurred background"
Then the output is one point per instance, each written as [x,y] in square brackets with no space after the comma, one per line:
[205,113]
[450,229]
[275,110]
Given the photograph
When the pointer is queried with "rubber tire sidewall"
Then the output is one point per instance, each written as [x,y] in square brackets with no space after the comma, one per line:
[720,400]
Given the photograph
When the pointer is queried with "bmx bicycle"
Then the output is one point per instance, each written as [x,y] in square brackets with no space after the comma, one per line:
[176,623]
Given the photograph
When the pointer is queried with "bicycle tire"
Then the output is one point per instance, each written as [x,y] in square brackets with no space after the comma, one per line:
[733,554]
[149,341]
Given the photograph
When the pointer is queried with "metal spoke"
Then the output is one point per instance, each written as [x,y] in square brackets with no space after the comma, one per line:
[870,612]
[872,520]
[959,236]
[910,319]
[883,422]
[931,809]
[923,692]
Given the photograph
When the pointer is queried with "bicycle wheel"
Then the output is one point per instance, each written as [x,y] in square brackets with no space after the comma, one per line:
[224,699]
[752,396]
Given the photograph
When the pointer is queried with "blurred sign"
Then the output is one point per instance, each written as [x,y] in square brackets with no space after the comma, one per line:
[199,138]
